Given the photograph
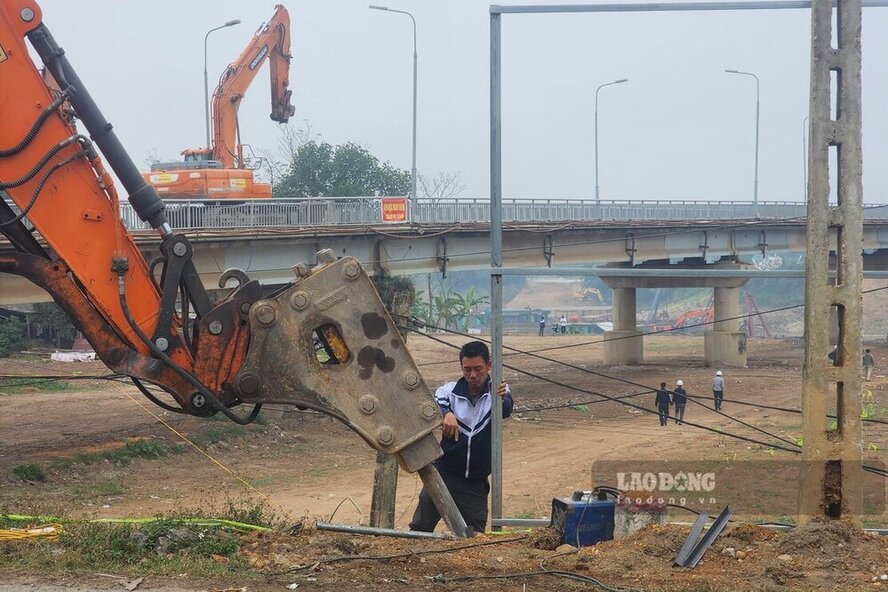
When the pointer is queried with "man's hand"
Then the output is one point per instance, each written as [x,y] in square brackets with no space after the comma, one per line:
[502,390]
[450,428]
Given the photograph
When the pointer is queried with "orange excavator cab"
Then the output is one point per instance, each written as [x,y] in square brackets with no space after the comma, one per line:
[221,171]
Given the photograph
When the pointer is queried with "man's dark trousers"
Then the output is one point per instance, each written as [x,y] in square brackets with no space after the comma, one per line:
[470,496]
[664,414]
[679,413]
[719,397]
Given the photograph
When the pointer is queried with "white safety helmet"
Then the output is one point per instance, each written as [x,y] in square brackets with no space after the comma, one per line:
[679,383]
[718,373]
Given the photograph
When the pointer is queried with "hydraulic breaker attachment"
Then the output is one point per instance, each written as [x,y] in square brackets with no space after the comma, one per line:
[327,343]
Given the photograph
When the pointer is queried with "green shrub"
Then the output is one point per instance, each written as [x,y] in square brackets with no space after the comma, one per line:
[29,472]
[12,337]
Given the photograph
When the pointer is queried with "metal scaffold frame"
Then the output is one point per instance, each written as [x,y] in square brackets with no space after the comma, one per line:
[844,293]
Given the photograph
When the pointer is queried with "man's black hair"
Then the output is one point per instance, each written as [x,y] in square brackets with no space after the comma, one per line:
[474,349]
[867,351]
[662,385]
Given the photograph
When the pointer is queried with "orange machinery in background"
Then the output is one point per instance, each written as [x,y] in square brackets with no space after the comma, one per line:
[221,171]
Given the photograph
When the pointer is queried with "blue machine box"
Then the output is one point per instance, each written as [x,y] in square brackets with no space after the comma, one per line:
[591,519]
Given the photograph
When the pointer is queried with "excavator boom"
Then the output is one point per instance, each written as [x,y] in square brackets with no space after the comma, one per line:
[271,43]
[154,322]
[221,171]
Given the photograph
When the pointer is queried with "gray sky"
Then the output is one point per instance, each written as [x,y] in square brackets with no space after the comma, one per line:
[680,128]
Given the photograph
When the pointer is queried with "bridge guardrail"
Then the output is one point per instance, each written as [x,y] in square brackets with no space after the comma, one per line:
[331,211]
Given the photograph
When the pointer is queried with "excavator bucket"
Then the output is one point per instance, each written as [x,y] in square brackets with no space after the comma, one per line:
[327,343]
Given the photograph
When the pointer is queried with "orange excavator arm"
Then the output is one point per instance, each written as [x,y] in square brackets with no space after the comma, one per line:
[271,43]
[154,322]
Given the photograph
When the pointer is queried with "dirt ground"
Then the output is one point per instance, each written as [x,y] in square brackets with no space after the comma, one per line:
[309,465]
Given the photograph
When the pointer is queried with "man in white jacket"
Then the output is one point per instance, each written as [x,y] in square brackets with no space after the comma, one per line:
[465,466]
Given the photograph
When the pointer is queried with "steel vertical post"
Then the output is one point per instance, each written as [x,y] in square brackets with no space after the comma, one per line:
[598,90]
[230,23]
[412,202]
[755,183]
[206,95]
[755,190]
[496,264]
[597,196]
[413,197]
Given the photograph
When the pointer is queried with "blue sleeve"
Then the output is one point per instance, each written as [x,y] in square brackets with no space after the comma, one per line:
[507,402]
[442,398]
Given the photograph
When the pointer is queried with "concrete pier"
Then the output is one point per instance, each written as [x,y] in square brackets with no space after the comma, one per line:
[624,345]
[725,344]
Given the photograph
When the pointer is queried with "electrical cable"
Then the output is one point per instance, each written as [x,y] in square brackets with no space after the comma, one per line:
[636,334]
[516,351]
[640,333]
[796,450]
[623,380]
[576,404]
[775,408]
[621,402]
[339,505]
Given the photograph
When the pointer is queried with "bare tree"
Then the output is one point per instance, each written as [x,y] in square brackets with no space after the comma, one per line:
[151,157]
[441,185]
[276,164]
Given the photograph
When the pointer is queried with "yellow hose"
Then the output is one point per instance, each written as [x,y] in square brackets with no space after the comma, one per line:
[49,532]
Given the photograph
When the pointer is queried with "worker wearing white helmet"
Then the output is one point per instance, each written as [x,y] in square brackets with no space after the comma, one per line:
[679,399]
[718,390]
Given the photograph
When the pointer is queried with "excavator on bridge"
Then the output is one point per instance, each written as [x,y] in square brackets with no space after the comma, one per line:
[155,322]
[221,171]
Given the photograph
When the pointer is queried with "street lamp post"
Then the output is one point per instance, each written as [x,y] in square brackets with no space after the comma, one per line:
[756,182]
[621,81]
[206,81]
[413,202]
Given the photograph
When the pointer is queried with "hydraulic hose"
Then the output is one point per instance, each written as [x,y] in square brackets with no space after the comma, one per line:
[38,123]
[192,380]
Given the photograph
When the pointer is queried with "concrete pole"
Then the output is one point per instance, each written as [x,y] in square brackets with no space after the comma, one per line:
[831,477]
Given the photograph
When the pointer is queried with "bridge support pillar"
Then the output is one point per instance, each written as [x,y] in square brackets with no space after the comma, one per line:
[624,345]
[725,345]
